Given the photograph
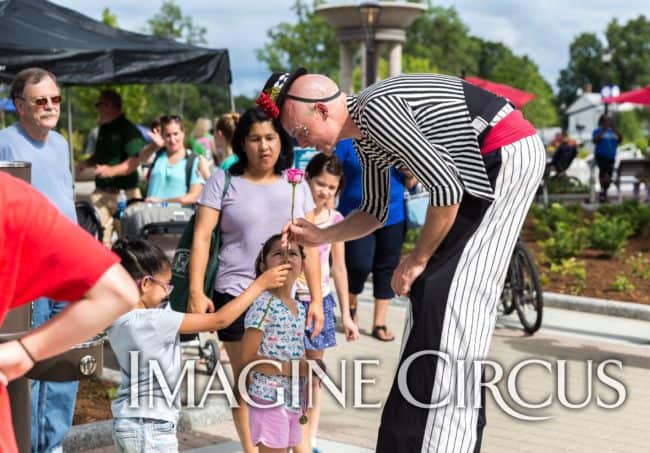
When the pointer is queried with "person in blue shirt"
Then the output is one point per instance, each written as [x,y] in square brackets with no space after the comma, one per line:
[168,178]
[606,139]
[33,139]
[380,251]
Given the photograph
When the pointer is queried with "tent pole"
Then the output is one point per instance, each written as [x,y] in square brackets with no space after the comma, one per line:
[69,102]
[231,98]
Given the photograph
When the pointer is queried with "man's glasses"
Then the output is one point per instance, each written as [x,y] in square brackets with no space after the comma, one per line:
[302,131]
[166,286]
[43,101]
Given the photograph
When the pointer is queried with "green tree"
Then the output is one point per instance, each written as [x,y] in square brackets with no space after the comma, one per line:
[523,73]
[630,59]
[310,42]
[109,18]
[440,37]
[628,43]
[170,23]
[191,101]
[585,67]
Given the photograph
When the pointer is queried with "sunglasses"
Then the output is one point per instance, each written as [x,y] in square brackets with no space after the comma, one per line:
[43,101]
[166,119]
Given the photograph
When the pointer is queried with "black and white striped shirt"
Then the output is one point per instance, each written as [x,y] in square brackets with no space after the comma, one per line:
[432,125]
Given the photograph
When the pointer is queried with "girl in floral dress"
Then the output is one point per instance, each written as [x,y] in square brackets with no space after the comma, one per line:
[275,326]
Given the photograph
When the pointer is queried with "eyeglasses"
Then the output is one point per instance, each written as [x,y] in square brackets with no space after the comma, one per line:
[303,131]
[43,101]
[166,119]
[166,286]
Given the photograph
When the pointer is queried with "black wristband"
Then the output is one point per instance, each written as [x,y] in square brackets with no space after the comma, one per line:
[20,342]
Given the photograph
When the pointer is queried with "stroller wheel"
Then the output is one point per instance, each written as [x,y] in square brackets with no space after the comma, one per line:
[210,352]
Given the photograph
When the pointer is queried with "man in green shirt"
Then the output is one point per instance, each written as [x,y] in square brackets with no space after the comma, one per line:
[115,159]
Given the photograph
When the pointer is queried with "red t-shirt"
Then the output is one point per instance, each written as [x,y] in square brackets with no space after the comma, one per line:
[42,253]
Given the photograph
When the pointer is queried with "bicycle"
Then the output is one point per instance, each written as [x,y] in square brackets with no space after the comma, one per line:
[522,291]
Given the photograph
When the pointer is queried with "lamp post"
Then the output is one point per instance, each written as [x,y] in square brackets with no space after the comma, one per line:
[608,89]
[369,18]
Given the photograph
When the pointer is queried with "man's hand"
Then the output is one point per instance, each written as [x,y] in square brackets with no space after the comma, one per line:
[200,303]
[304,233]
[315,318]
[104,171]
[14,362]
[405,274]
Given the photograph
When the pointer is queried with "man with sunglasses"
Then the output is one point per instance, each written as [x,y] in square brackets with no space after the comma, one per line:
[115,159]
[32,139]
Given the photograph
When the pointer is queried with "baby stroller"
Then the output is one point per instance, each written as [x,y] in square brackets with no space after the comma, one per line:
[88,218]
[166,235]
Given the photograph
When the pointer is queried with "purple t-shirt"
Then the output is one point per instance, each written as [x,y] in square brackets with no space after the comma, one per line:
[250,214]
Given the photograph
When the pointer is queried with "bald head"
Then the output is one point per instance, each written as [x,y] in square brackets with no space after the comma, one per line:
[313,86]
[314,120]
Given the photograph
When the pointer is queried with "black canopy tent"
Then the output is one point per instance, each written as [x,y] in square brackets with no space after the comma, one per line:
[83,51]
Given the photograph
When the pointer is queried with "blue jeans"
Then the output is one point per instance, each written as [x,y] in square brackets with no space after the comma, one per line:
[144,435]
[52,402]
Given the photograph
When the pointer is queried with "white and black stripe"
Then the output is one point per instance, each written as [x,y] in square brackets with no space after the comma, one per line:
[453,307]
[422,122]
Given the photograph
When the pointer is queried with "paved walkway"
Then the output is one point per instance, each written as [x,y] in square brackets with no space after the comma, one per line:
[571,336]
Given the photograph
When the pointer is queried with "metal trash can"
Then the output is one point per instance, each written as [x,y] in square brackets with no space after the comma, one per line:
[84,361]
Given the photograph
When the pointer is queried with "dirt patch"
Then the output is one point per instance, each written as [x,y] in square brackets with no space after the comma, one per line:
[602,273]
[93,402]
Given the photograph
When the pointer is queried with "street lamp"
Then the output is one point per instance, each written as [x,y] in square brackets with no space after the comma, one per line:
[369,19]
[608,89]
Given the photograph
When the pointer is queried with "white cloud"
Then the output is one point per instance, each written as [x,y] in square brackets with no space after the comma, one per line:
[541,29]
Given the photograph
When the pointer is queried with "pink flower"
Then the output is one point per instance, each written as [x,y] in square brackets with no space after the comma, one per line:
[295,175]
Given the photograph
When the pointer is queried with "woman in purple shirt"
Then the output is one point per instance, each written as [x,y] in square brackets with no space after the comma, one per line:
[256,205]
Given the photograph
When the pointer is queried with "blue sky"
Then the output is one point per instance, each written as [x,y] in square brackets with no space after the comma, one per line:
[542,29]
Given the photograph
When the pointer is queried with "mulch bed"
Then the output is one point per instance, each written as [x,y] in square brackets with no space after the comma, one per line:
[93,402]
[601,273]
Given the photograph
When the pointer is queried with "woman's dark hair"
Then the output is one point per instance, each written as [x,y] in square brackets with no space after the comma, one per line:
[246,121]
[266,248]
[141,258]
[321,162]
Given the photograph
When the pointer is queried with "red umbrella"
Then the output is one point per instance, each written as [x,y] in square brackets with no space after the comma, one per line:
[517,97]
[638,96]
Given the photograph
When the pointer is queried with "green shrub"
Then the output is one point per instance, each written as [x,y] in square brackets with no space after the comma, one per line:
[621,284]
[575,269]
[562,184]
[609,234]
[546,219]
[640,266]
[635,213]
[566,241]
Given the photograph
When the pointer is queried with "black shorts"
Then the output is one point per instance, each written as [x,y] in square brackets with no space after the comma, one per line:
[235,331]
[379,253]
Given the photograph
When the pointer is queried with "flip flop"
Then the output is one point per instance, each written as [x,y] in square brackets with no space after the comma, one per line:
[375,333]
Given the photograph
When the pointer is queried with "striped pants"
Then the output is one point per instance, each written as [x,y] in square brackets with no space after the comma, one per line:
[453,311]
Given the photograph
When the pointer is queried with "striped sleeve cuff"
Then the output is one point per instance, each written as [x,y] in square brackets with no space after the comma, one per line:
[445,196]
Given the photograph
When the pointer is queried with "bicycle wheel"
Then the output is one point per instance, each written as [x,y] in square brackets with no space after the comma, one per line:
[507,294]
[527,291]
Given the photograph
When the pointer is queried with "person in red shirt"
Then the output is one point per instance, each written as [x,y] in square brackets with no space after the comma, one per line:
[44,254]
